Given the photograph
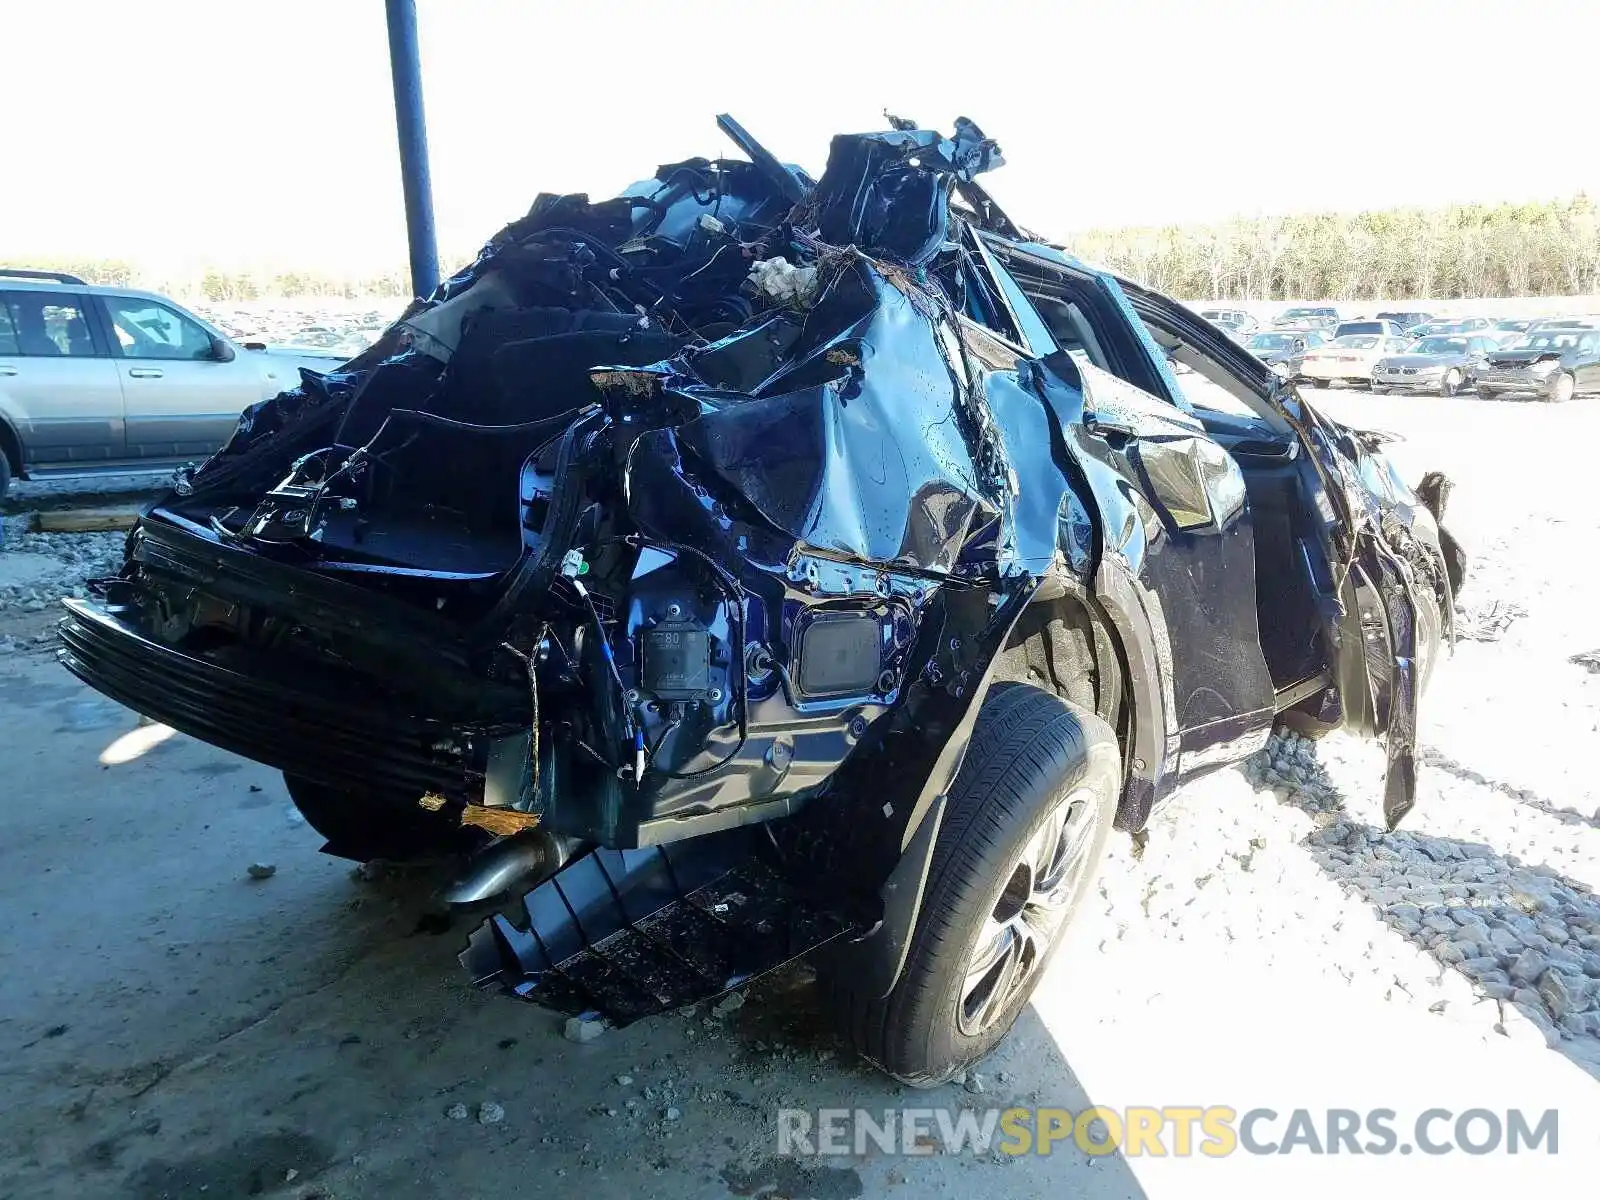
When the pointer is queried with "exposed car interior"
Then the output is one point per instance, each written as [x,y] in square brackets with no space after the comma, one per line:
[1235,413]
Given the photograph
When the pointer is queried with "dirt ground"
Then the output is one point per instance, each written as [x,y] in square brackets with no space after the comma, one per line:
[171,1027]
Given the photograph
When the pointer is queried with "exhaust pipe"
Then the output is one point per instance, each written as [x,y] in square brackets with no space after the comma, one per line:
[525,859]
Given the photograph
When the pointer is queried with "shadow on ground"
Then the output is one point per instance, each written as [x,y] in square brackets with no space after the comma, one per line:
[1525,936]
[172,1027]
[347,1087]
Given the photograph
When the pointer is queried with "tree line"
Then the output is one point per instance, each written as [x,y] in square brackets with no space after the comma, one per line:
[1550,248]
[218,285]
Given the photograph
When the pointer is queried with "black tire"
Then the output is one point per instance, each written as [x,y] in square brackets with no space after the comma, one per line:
[1319,383]
[1486,393]
[5,473]
[1561,387]
[368,825]
[1029,752]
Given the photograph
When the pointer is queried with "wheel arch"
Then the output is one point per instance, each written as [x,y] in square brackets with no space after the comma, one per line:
[1101,653]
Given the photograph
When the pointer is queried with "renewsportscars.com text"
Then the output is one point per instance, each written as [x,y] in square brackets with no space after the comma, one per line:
[1170,1130]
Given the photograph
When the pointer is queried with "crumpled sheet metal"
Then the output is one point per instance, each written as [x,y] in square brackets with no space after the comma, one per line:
[888,193]
[875,461]
[1389,565]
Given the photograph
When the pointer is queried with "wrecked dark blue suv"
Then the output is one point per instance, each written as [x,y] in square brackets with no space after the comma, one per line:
[747,566]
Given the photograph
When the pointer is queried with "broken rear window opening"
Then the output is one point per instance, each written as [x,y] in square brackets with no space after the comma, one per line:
[700,566]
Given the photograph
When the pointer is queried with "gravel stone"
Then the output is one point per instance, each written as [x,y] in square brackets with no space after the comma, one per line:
[1503,940]
[1407,916]
[261,870]
[456,1112]
[580,1029]
[490,1113]
[1528,999]
[1557,996]
[1527,967]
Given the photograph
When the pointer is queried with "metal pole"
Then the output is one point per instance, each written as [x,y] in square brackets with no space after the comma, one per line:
[405,64]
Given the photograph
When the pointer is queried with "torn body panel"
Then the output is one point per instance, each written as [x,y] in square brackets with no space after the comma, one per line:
[722,504]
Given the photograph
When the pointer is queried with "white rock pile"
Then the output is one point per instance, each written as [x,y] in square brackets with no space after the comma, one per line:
[1280,865]
[78,557]
[1523,934]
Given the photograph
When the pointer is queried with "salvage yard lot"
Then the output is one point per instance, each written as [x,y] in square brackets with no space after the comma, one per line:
[171,1025]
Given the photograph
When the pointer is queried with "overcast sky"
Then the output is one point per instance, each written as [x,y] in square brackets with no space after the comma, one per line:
[261,133]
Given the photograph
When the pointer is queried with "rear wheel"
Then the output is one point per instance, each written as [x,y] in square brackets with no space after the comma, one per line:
[1486,393]
[5,474]
[1024,832]
[1320,383]
[364,825]
[1560,388]
[1451,383]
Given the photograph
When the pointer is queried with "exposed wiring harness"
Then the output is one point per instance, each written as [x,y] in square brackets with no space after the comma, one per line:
[635,734]
[530,661]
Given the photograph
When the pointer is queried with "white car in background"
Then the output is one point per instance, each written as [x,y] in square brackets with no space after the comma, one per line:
[1349,358]
[99,380]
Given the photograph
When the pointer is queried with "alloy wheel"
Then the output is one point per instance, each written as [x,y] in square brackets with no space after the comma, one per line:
[1030,914]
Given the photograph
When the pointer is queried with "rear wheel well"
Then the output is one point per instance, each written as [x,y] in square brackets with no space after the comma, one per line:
[1062,645]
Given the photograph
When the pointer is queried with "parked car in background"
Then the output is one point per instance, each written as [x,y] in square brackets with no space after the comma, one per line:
[1318,317]
[102,379]
[1513,325]
[1406,320]
[1381,326]
[1349,359]
[1442,363]
[1284,349]
[1233,320]
[1450,325]
[1554,363]
[1566,323]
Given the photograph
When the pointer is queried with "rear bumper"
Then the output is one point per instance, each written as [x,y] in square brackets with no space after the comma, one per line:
[341,740]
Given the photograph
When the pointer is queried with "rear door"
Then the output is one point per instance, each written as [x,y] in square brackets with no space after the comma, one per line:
[1173,503]
[1375,619]
[58,386]
[181,399]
